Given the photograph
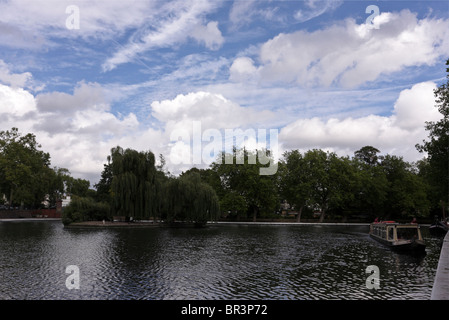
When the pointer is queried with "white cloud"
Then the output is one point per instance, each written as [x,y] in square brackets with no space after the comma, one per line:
[219,91]
[316,8]
[353,54]
[203,118]
[81,137]
[395,134]
[85,96]
[413,106]
[213,110]
[13,79]
[209,34]
[15,103]
[85,113]
[78,130]
[241,12]
[242,69]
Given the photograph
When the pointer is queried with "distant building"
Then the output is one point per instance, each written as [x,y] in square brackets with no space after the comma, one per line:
[66,200]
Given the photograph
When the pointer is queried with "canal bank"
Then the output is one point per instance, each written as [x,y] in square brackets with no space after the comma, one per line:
[440,290]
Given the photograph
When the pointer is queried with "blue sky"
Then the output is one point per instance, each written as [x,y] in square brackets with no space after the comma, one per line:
[134,73]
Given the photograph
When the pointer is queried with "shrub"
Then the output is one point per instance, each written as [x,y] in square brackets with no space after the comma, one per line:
[85,209]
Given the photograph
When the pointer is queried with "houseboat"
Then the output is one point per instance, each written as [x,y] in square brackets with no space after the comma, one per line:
[439,228]
[397,236]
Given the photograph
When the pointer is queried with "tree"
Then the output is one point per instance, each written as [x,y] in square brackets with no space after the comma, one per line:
[134,188]
[295,181]
[56,189]
[23,168]
[103,186]
[78,186]
[372,187]
[437,147]
[407,191]
[189,199]
[242,178]
[234,204]
[85,209]
[332,180]
[367,154]
[372,183]
[434,194]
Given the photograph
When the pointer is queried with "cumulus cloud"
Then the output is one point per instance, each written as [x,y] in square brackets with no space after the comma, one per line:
[396,134]
[78,130]
[213,110]
[85,112]
[80,138]
[85,96]
[205,117]
[242,69]
[16,103]
[416,105]
[353,54]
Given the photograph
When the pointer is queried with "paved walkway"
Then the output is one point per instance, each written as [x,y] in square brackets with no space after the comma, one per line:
[440,289]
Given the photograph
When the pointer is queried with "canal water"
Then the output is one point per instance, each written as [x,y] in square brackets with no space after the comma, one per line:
[221,262]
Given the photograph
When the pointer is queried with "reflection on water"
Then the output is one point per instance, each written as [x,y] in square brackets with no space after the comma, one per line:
[219,262]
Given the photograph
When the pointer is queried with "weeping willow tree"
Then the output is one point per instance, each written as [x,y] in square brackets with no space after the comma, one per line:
[134,186]
[189,199]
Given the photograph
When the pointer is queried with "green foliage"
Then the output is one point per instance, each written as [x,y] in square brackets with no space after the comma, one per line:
[85,209]
[254,193]
[26,177]
[134,187]
[407,191]
[103,186]
[25,173]
[372,188]
[368,155]
[233,205]
[78,187]
[366,184]
[331,180]
[56,184]
[189,199]
[294,181]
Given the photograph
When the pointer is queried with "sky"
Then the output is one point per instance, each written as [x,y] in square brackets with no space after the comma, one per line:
[175,77]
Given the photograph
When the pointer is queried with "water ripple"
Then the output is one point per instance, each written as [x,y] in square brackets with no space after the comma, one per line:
[220,262]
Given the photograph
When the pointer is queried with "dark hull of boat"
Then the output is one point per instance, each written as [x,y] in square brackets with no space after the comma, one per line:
[409,247]
[438,230]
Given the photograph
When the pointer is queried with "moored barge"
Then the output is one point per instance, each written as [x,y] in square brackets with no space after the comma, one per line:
[397,236]
[439,228]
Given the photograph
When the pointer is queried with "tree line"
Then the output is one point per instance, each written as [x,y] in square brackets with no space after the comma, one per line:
[134,187]
[315,182]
